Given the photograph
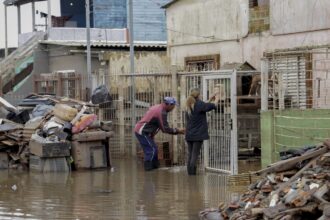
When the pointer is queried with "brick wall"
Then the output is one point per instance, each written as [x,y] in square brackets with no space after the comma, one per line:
[259,19]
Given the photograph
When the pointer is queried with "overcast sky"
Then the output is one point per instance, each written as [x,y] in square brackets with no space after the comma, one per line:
[26,20]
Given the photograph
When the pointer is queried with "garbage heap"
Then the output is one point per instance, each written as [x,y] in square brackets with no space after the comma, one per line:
[294,188]
[47,133]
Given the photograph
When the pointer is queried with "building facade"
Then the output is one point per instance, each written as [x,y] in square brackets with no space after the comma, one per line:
[148,16]
[287,40]
[242,30]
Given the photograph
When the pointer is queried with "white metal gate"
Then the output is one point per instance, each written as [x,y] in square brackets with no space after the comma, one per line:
[220,151]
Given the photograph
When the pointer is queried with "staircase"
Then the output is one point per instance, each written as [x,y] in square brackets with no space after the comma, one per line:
[19,64]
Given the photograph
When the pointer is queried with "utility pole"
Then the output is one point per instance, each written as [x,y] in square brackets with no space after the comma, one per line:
[6,33]
[49,17]
[19,19]
[33,16]
[88,46]
[132,71]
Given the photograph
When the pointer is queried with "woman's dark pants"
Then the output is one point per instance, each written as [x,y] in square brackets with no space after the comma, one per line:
[194,148]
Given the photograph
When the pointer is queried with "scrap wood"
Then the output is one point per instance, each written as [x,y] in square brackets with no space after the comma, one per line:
[282,210]
[80,113]
[318,195]
[291,163]
[297,175]
[309,208]
[9,142]
[8,127]
[7,105]
[46,96]
[14,137]
[14,156]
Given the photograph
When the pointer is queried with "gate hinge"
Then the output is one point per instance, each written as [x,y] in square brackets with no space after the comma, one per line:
[231,123]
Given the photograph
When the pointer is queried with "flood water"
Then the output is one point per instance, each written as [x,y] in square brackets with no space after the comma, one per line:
[126,193]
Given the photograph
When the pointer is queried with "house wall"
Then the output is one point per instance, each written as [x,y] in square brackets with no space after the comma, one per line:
[110,14]
[145,61]
[148,17]
[149,20]
[193,21]
[294,16]
[62,59]
[227,34]
[294,128]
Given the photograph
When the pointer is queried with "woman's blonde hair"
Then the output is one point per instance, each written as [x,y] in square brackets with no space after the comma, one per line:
[191,100]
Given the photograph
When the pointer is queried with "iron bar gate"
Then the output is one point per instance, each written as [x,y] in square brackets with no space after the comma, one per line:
[220,151]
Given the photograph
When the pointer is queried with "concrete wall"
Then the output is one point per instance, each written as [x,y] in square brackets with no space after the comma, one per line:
[282,130]
[227,21]
[248,49]
[293,16]
[40,65]
[194,21]
[62,59]
[79,34]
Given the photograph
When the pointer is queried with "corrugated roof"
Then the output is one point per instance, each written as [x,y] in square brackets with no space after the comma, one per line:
[170,3]
[19,2]
[141,44]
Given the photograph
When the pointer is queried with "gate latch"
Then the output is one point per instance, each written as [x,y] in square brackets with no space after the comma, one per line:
[231,123]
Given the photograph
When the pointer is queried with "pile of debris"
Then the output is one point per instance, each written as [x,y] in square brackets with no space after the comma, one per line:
[46,133]
[294,188]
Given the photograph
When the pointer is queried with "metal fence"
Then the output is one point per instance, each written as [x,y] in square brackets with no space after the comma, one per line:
[220,152]
[295,87]
[296,79]
[150,89]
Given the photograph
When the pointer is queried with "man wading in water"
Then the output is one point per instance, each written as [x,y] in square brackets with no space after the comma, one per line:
[145,130]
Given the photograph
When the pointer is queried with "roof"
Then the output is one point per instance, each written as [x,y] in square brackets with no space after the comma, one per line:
[19,2]
[237,66]
[169,4]
[118,44]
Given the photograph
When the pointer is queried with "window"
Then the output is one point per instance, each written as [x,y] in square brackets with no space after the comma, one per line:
[253,3]
[202,63]
[259,16]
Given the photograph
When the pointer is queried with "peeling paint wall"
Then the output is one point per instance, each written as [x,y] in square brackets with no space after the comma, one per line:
[209,20]
[293,16]
[145,61]
[194,21]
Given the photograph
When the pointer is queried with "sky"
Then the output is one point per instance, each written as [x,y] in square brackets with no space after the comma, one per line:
[26,20]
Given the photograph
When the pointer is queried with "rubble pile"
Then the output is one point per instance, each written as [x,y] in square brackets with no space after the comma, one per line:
[42,130]
[294,188]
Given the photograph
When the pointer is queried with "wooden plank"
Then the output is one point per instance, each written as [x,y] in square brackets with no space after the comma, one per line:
[296,176]
[291,163]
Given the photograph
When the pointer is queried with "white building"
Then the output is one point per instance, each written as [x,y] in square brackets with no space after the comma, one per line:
[204,33]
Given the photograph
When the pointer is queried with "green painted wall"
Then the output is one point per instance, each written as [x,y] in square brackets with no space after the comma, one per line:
[285,129]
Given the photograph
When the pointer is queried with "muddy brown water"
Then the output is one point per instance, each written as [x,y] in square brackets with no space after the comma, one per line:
[126,193]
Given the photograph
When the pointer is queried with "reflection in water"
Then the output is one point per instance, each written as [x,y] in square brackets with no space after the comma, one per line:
[127,193]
